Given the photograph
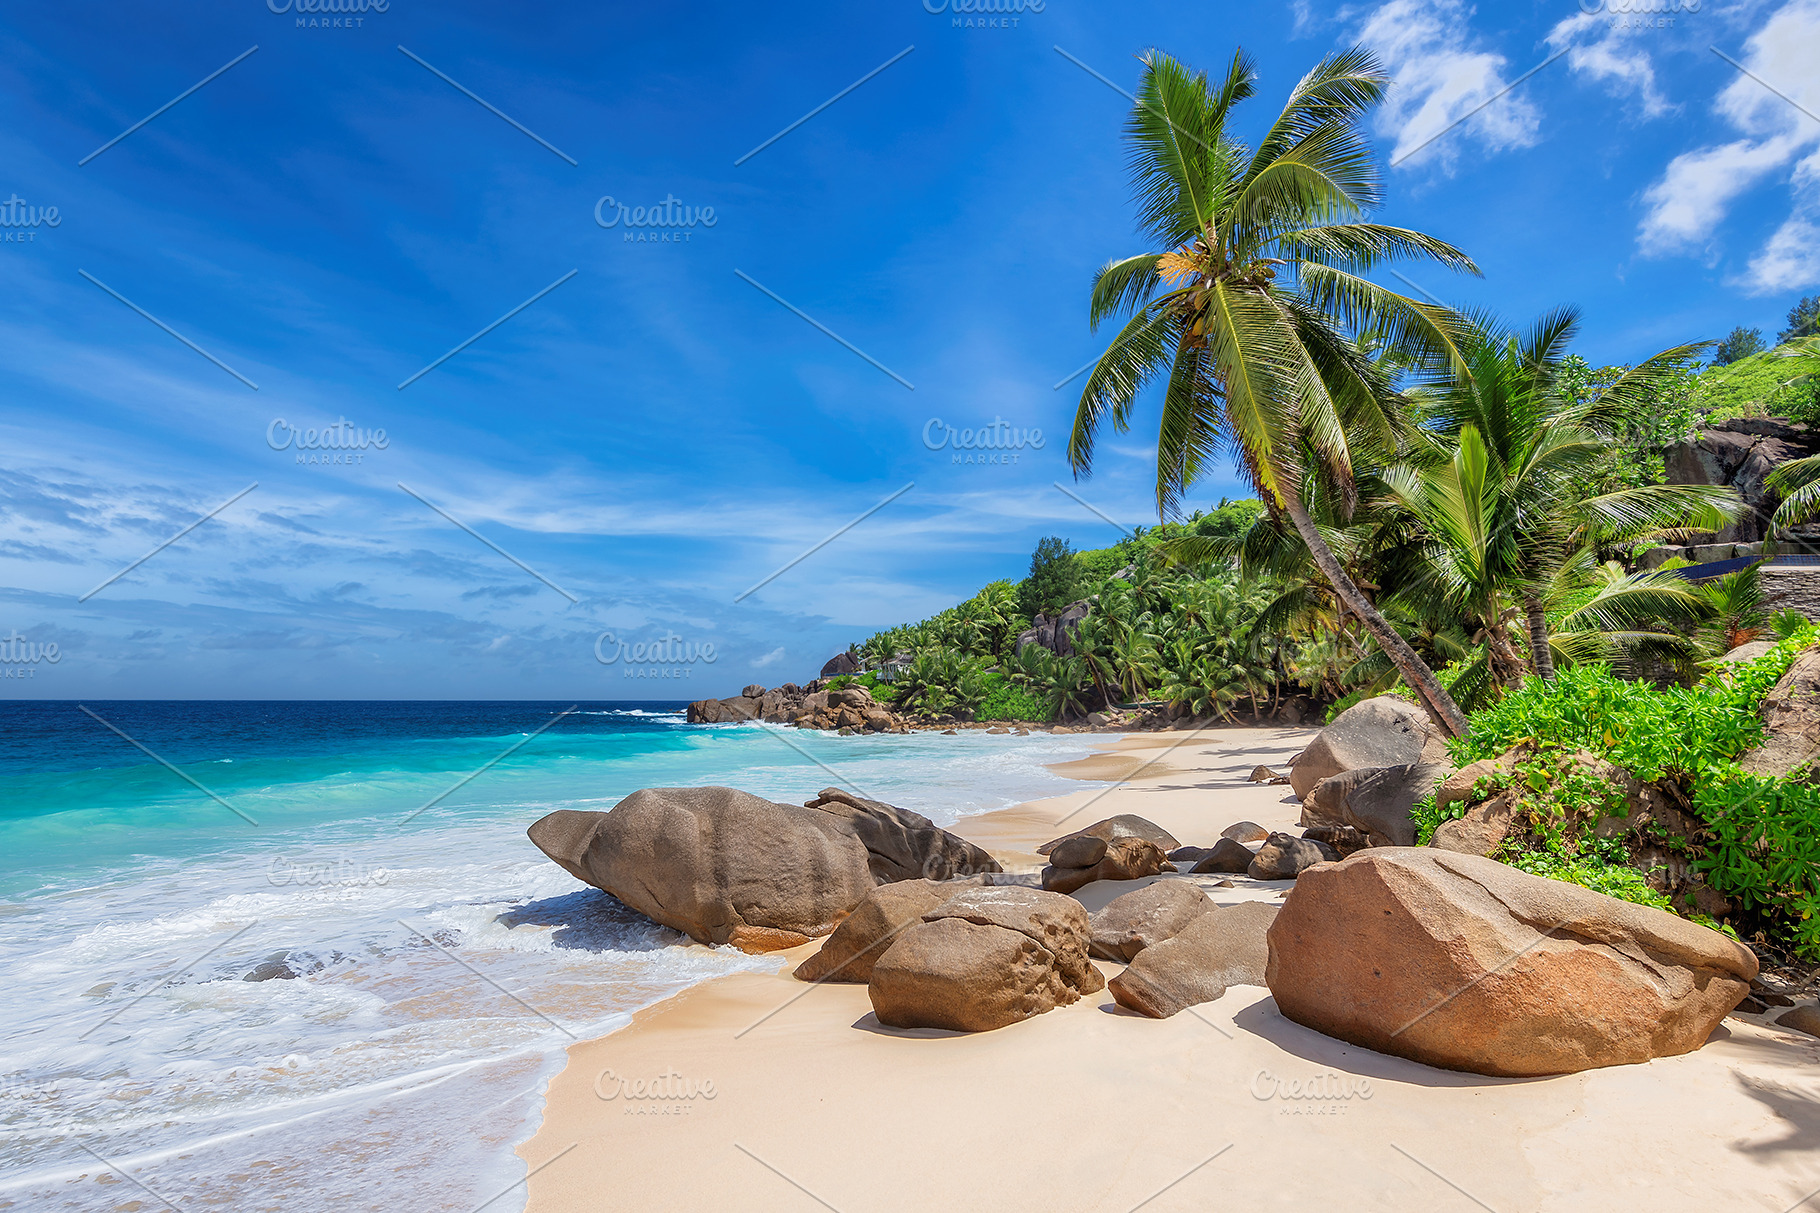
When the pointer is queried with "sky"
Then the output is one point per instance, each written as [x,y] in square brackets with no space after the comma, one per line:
[593,498]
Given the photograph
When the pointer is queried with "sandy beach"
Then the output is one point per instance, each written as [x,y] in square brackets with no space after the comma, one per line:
[757,1091]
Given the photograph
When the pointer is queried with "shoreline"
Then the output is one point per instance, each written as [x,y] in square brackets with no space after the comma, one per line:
[765,1092]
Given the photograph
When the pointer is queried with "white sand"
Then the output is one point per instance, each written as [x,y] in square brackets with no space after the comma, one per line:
[1092,1108]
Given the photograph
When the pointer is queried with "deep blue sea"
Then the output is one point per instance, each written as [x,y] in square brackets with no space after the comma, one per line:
[156,853]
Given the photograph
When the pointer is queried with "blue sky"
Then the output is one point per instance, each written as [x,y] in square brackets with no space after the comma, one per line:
[656,434]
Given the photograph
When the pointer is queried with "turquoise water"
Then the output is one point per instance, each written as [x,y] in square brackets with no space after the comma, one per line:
[378,852]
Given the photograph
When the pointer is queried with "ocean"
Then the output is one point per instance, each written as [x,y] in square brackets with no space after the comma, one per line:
[423,964]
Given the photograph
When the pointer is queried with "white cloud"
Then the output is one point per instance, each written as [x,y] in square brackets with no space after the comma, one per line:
[771,658]
[1616,57]
[1442,78]
[1698,186]
[1791,259]
[1696,190]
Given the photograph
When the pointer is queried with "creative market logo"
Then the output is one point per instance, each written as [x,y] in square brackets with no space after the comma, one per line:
[338,444]
[328,14]
[20,221]
[669,656]
[1640,14]
[666,1094]
[666,222]
[20,658]
[982,14]
[997,443]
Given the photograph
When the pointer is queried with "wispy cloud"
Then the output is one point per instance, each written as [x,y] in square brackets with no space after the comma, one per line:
[1604,51]
[1771,102]
[1443,73]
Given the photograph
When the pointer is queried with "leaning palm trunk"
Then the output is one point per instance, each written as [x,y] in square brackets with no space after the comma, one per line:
[1539,655]
[1441,707]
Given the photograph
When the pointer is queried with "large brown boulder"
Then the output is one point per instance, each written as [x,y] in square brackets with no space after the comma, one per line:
[718,864]
[1461,962]
[1125,825]
[902,845]
[1791,722]
[1126,859]
[1226,947]
[1380,732]
[983,959]
[873,926]
[1376,801]
[1134,921]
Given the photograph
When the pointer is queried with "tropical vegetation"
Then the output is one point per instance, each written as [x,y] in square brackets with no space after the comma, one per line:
[1449,507]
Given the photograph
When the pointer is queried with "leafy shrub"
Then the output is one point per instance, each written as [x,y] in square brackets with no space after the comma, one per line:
[1765,849]
[1761,846]
[1684,732]
[1618,880]
[1007,702]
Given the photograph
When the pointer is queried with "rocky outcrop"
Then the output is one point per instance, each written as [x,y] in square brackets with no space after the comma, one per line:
[1376,801]
[852,708]
[873,926]
[902,845]
[1125,858]
[985,958]
[1284,857]
[1055,632]
[1226,947]
[1791,722]
[1125,825]
[718,864]
[1144,917]
[841,663]
[1740,454]
[1380,732]
[1464,963]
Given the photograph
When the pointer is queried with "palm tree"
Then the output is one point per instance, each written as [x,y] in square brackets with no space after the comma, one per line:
[1253,363]
[1498,478]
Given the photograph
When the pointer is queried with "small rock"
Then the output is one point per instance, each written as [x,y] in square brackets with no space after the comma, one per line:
[1750,1006]
[1189,854]
[1344,839]
[1284,858]
[1224,947]
[1801,1019]
[1263,774]
[1145,917]
[1245,831]
[1126,859]
[985,959]
[1080,851]
[1125,825]
[1226,856]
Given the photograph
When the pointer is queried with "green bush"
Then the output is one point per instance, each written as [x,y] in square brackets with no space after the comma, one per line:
[1685,732]
[1013,703]
[1761,845]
